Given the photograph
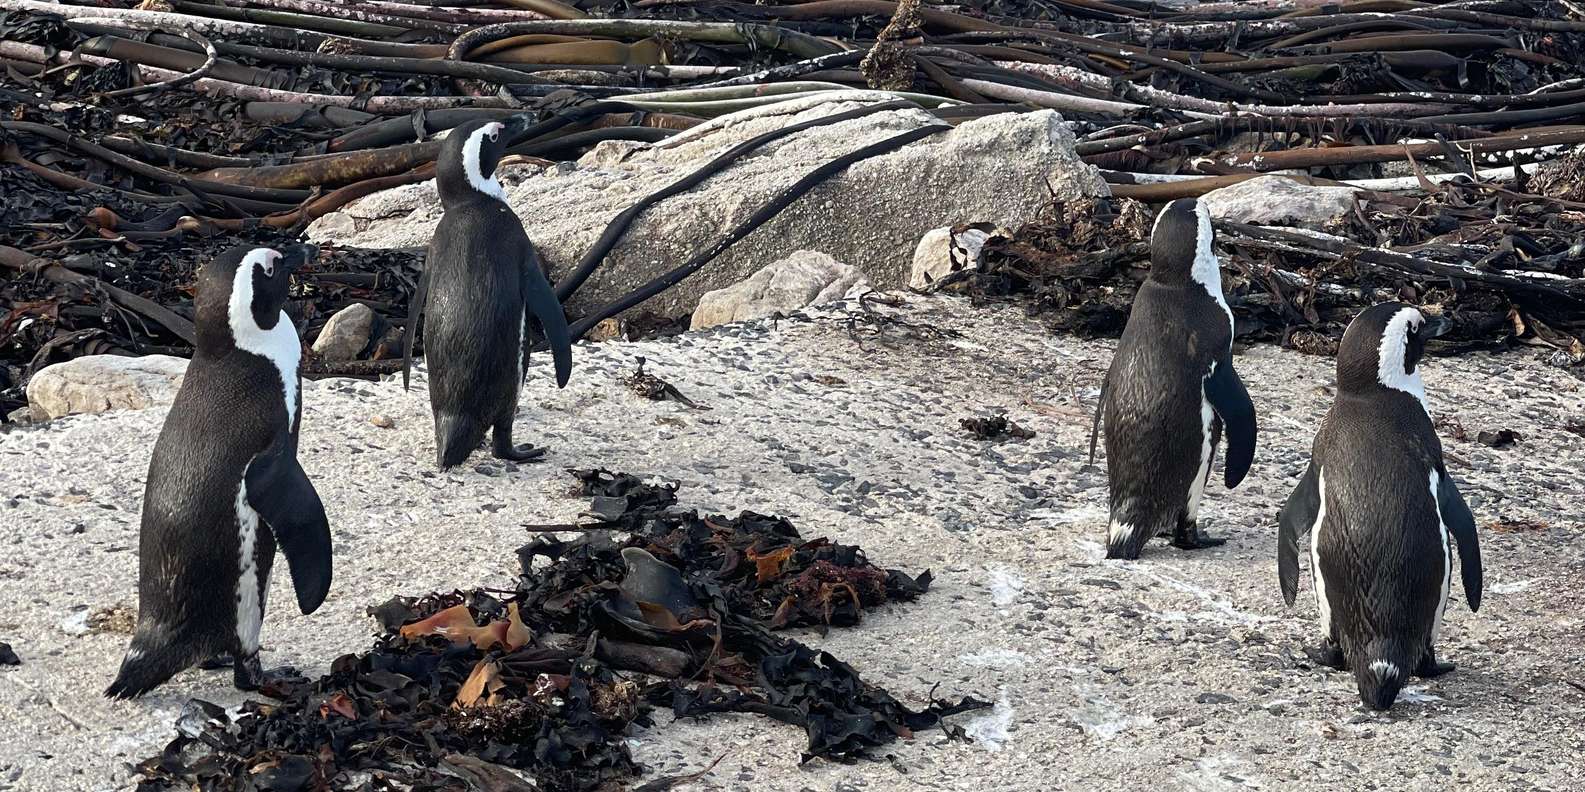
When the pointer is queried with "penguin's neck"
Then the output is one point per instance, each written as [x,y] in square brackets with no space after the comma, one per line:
[278,345]
[465,192]
[1394,378]
[1207,272]
[473,173]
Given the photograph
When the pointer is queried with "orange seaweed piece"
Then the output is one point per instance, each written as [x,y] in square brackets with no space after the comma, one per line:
[517,633]
[456,623]
[341,704]
[481,687]
[768,566]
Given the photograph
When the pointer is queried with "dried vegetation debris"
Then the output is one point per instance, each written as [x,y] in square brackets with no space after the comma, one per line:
[1079,265]
[546,681]
[300,116]
[997,427]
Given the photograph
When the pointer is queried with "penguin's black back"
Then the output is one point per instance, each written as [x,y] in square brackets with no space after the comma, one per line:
[1152,401]
[1381,547]
[472,333]
[228,410]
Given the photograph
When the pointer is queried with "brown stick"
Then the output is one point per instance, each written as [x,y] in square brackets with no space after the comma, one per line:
[23,262]
[211,56]
[352,166]
[1359,155]
[319,207]
[1411,41]
[1162,192]
[361,12]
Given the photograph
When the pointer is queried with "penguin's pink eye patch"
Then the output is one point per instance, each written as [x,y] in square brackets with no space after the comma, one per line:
[495,132]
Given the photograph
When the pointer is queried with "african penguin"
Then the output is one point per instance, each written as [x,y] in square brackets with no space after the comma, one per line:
[224,487]
[1381,513]
[1170,390]
[482,285]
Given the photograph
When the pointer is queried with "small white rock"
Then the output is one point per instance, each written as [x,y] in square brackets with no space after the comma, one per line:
[943,251]
[346,333]
[805,278]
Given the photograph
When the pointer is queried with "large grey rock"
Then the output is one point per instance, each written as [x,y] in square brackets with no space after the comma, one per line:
[346,333]
[1277,200]
[807,277]
[1000,169]
[99,383]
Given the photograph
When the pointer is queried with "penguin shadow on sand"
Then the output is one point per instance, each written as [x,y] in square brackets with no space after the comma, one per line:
[1376,511]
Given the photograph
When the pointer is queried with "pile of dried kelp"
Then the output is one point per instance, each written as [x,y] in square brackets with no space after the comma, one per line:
[467,689]
[1521,279]
[128,123]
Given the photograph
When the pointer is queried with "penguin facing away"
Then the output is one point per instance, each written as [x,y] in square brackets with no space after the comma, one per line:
[224,487]
[1378,514]
[1170,391]
[482,285]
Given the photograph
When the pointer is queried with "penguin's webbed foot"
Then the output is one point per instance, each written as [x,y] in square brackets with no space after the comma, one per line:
[1327,654]
[526,452]
[1188,536]
[218,662]
[250,676]
[1429,668]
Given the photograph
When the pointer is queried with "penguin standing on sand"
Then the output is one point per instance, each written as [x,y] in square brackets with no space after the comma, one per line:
[482,285]
[224,487]
[1170,390]
[1382,514]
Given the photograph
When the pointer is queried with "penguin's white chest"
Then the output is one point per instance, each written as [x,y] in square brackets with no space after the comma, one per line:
[1447,555]
[279,346]
[249,599]
[1317,577]
[1202,474]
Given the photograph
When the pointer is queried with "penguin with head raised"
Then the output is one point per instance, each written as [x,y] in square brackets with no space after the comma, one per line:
[224,487]
[1171,390]
[1381,512]
[482,287]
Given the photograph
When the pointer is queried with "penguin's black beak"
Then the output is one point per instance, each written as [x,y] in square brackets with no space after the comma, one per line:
[294,257]
[1435,326]
[515,127]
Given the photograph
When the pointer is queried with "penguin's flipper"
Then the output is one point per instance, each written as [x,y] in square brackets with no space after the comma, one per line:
[1095,427]
[1461,525]
[415,309]
[541,301]
[1298,515]
[281,493]
[1230,399]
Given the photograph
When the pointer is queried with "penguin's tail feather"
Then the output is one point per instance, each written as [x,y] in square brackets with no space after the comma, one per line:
[1127,539]
[456,437]
[1380,672]
[147,665]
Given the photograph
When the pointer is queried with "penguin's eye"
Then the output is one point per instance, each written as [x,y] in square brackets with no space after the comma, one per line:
[268,266]
[495,135]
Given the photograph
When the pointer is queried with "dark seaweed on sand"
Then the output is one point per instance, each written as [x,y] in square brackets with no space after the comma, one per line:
[489,689]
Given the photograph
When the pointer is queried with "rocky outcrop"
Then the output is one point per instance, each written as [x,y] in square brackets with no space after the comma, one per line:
[99,383]
[346,333]
[1278,200]
[807,277]
[1000,169]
